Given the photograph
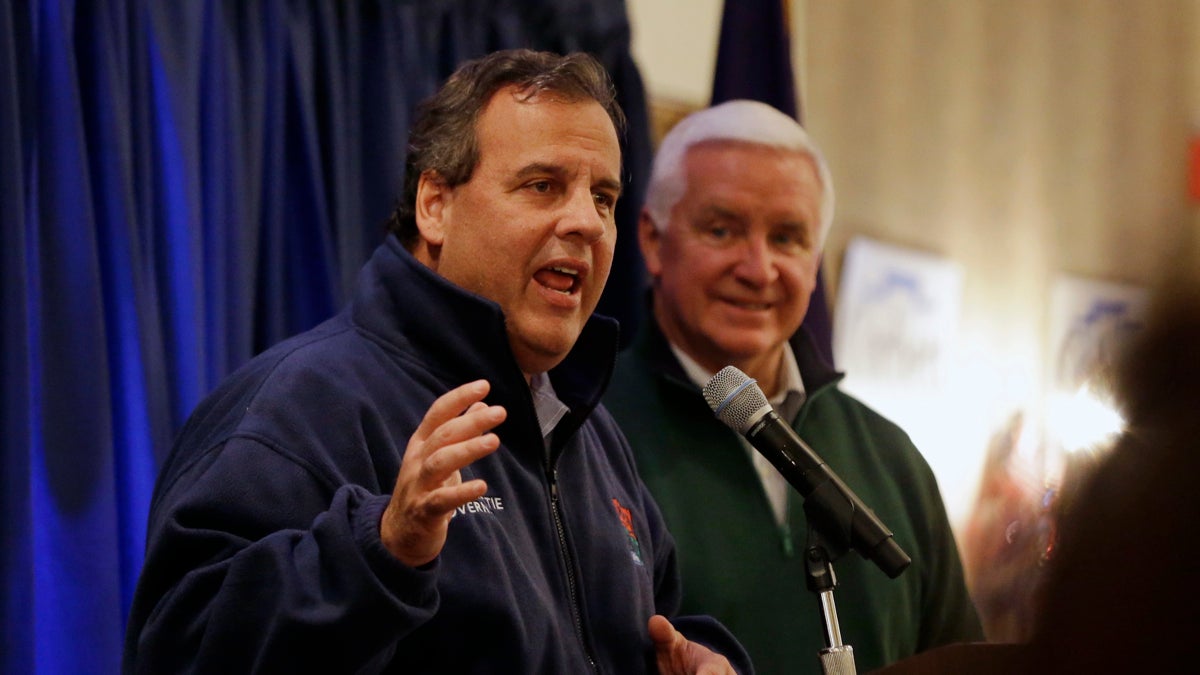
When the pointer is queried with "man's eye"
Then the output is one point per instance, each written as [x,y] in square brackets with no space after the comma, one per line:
[604,200]
[542,186]
[789,239]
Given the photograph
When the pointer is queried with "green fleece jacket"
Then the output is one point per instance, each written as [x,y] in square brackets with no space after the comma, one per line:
[741,567]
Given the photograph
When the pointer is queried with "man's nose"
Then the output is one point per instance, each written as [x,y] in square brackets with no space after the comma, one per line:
[581,217]
[756,264]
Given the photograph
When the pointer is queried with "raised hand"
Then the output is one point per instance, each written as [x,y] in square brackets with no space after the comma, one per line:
[454,433]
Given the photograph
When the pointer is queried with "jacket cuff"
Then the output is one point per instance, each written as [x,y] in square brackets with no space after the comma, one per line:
[412,586]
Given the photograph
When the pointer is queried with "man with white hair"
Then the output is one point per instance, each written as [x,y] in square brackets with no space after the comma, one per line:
[738,207]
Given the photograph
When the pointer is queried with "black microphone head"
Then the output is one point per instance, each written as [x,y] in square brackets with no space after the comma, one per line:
[735,398]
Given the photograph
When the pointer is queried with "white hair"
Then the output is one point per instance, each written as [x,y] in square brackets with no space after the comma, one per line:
[741,121]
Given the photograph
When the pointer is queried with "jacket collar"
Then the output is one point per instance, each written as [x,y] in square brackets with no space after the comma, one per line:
[461,336]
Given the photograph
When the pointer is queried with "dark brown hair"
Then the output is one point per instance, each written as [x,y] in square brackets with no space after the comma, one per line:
[443,139]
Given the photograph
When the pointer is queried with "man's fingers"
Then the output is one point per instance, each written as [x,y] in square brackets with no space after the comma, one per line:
[676,655]
[454,432]
[444,462]
[669,645]
[467,426]
[451,405]
[443,501]
[661,630]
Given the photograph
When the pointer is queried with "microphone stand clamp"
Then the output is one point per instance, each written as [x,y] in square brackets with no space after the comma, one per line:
[836,658]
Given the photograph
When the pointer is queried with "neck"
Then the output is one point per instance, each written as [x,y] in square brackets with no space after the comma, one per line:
[765,369]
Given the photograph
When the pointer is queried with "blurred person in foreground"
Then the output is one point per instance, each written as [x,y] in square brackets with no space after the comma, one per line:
[737,210]
[425,483]
[1121,593]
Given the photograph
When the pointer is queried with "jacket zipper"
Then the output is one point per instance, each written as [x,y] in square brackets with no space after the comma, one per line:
[568,560]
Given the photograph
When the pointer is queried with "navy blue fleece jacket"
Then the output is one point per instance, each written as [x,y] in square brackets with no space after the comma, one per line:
[264,552]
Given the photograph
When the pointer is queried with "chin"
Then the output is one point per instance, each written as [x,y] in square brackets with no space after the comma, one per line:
[541,357]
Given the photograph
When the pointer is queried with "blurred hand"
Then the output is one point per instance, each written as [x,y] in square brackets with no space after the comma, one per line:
[676,655]
[429,487]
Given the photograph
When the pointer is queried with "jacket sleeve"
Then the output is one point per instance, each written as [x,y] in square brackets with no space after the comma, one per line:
[948,614]
[900,480]
[256,564]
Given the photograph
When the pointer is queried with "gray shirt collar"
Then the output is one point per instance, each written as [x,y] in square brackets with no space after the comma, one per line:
[546,405]
[786,401]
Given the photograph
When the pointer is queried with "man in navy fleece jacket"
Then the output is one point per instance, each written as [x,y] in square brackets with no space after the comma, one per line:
[425,482]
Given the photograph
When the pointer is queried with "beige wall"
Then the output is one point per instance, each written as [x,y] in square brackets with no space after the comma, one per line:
[1022,139]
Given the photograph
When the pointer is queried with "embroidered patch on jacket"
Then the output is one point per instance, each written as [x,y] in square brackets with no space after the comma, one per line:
[635,549]
[482,505]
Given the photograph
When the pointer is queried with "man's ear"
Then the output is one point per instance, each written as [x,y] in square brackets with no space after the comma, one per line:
[650,239]
[430,209]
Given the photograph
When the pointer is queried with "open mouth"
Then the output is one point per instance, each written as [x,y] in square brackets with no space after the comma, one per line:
[559,278]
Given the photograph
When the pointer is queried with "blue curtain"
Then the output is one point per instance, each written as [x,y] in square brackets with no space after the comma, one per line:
[754,61]
[183,183]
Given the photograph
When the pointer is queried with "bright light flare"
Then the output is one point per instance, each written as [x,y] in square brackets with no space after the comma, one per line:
[1082,420]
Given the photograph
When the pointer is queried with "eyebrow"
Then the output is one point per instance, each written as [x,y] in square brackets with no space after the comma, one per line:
[720,212]
[540,168]
[717,212]
[611,185]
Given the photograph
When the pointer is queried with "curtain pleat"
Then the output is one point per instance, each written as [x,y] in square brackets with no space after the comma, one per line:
[183,184]
[16,429]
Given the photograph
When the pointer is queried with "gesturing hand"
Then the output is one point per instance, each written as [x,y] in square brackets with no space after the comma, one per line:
[429,486]
[676,655]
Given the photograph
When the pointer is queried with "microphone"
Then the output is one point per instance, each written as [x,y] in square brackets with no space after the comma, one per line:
[838,513]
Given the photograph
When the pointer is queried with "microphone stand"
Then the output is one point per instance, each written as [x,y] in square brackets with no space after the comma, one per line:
[836,658]
[837,518]
[833,516]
